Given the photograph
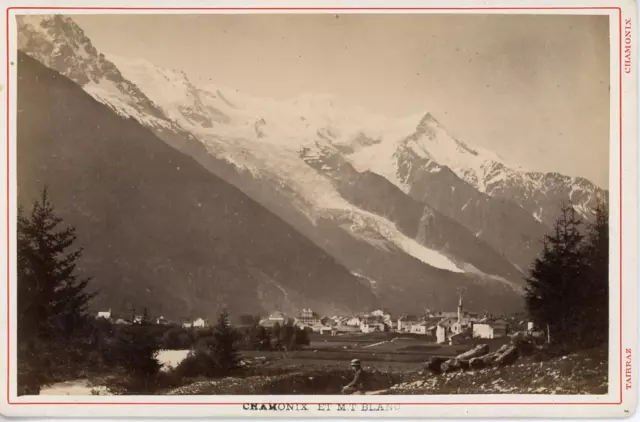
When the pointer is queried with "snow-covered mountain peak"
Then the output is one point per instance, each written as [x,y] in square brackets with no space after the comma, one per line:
[427,123]
[311,122]
[57,41]
[173,92]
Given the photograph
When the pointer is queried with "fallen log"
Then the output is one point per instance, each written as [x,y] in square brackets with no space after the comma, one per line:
[476,358]
[455,364]
[490,358]
[462,361]
[508,357]
[479,350]
[502,349]
[477,362]
[451,365]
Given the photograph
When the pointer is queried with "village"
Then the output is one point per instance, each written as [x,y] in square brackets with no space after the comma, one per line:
[451,328]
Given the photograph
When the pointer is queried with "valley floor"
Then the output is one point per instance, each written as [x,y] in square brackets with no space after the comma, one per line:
[395,365]
[579,373]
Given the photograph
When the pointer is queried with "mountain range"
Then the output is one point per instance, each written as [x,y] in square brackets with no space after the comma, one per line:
[383,212]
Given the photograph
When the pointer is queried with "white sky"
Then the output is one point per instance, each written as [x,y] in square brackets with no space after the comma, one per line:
[534,89]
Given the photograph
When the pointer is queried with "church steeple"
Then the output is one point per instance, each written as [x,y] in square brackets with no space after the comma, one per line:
[460,308]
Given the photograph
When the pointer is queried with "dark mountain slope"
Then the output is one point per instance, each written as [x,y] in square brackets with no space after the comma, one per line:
[418,220]
[158,229]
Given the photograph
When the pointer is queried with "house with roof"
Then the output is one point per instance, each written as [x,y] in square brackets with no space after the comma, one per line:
[419,327]
[274,318]
[405,322]
[161,320]
[461,324]
[353,321]
[444,329]
[279,317]
[441,334]
[196,323]
[382,313]
[308,317]
[426,326]
[199,323]
[104,314]
[372,323]
[490,329]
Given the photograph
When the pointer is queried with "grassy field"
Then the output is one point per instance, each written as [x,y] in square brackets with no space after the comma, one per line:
[396,363]
[389,351]
[578,373]
[378,350]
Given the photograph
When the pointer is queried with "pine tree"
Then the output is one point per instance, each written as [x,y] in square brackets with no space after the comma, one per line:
[287,335]
[596,290]
[301,337]
[225,352]
[275,331]
[559,293]
[137,350]
[146,320]
[52,299]
[258,338]
[264,340]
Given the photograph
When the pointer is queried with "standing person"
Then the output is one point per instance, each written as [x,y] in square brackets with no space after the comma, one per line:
[358,385]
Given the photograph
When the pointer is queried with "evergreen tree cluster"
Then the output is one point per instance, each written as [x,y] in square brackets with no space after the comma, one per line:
[57,339]
[52,299]
[215,354]
[288,336]
[568,284]
[137,352]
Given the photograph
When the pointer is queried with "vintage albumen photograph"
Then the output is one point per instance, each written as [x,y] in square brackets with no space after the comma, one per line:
[312,204]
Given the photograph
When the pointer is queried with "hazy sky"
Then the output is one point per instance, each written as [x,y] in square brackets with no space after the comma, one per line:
[534,89]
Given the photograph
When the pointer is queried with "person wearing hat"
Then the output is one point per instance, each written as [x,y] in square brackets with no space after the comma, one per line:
[357,385]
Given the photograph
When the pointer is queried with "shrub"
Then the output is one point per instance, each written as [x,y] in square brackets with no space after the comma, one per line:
[198,363]
[136,351]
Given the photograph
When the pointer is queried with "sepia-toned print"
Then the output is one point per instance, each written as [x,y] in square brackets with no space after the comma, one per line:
[304,204]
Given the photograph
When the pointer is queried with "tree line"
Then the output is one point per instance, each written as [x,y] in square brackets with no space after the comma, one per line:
[567,291]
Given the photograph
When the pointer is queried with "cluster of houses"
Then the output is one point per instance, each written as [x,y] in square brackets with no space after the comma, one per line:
[453,327]
[444,327]
[377,320]
[137,319]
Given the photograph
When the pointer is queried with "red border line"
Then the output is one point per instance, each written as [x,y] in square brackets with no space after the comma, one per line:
[183,403]
[8,209]
[314,8]
[620,185]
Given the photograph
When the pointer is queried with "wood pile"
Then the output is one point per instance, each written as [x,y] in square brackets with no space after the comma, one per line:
[477,358]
